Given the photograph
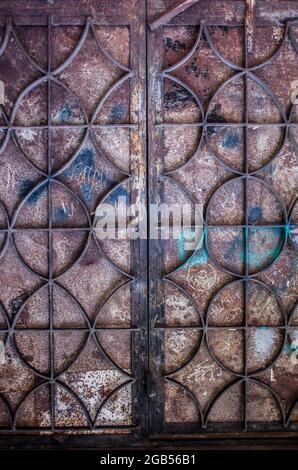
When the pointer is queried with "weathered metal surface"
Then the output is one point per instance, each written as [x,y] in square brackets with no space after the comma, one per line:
[222,132]
[223,135]
[72,313]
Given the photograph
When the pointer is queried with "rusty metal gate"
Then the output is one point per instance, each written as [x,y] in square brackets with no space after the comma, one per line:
[158,101]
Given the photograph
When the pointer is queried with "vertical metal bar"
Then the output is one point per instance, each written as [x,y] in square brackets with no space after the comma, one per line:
[246,234]
[155,190]
[139,196]
[50,251]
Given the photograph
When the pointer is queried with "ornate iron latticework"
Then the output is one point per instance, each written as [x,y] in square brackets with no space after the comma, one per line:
[70,310]
[224,317]
[222,132]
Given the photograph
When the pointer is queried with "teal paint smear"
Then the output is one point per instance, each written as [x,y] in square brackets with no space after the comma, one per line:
[199,256]
[287,349]
[257,259]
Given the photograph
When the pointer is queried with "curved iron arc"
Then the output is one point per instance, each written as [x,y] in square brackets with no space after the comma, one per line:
[7,230]
[292,39]
[76,50]
[122,284]
[102,250]
[293,140]
[192,356]
[27,394]
[187,88]
[291,410]
[194,304]
[184,59]
[234,66]
[7,407]
[78,400]
[6,317]
[277,398]
[217,396]
[219,55]
[108,397]
[194,155]
[105,52]
[20,45]
[6,36]
[190,394]
[108,357]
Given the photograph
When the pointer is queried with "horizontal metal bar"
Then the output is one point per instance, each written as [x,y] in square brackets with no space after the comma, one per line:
[225,124]
[225,327]
[71,126]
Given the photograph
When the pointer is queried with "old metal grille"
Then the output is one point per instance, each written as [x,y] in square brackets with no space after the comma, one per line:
[222,327]
[224,136]
[70,314]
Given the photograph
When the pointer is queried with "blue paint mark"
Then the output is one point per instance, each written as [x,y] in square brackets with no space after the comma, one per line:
[288,348]
[86,191]
[25,186]
[121,191]
[263,254]
[288,229]
[234,248]
[84,168]
[255,214]
[35,197]
[231,140]
[199,256]
[117,112]
[85,158]
[65,112]
[60,215]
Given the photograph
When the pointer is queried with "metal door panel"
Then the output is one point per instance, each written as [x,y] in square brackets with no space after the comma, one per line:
[222,135]
[72,136]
